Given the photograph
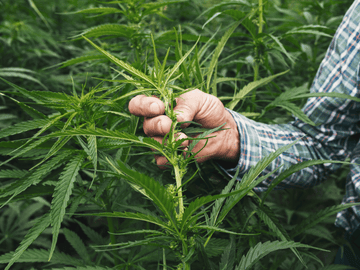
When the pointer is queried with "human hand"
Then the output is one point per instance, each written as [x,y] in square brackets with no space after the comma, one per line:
[197,106]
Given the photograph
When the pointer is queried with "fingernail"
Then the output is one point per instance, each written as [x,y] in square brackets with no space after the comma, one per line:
[155,108]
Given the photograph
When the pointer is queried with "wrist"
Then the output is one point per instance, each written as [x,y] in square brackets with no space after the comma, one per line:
[234,139]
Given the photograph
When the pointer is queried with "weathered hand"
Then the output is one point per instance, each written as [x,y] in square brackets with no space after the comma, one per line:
[197,106]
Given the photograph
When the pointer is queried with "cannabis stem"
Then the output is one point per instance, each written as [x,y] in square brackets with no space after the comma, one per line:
[261,17]
[175,158]
[257,51]
[178,179]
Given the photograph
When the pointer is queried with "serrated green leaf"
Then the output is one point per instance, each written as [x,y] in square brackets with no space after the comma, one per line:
[225,79]
[21,75]
[251,86]
[136,216]
[217,229]
[61,196]
[139,232]
[122,64]
[80,59]
[41,255]
[23,127]
[219,48]
[268,216]
[92,143]
[216,247]
[16,69]
[23,91]
[242,188]
[282,48]
[250,180]
[219,202]
[119,114]
[59,144]
[103,10]
[153,189]
[147,142]
[107,30]
[321,232]
[34,178]
[318,217]
[29,110]
[13,173]
[41,224]
[32,4]
[154,241]
[30,193]
[295,168]
[76,242]
[7,116]
[93,235]
[296,111]
[23,151]
[48,96]
[212,17]
[177,65]
[262,249]
[228,257]
[306,31]
[7,147]
[192,208]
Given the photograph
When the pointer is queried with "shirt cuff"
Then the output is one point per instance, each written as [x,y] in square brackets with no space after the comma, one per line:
[249,145]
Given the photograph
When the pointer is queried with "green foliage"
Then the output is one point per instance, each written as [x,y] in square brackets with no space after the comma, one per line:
[79,187]
[262,249]
[31,236]
[62,194]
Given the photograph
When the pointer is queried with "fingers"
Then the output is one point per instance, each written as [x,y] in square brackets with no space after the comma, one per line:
[142,105]
[194,105]
[188,105]
[157,126]
[200,107]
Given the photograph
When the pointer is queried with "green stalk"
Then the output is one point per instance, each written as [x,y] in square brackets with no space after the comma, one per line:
[261,19]
[164,259]
[257,53]
[178,179]
[174,160]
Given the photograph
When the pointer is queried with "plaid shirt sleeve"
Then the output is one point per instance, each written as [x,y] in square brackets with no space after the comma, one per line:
[336,134]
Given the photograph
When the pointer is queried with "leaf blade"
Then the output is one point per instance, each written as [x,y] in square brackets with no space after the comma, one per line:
[61,196]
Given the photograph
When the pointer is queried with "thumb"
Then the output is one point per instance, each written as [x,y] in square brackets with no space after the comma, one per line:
[184,113]
[188,105]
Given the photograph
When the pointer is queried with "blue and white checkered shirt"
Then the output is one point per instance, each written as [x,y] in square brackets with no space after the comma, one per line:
[337,130]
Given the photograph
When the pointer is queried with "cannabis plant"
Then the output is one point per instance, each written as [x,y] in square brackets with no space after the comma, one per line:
[84,153]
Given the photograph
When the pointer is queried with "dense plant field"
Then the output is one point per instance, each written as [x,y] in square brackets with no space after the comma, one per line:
[79,185]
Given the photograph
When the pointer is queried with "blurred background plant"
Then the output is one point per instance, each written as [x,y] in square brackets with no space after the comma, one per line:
[42,50]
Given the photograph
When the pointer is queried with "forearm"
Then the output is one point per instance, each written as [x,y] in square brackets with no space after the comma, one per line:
[257,140]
